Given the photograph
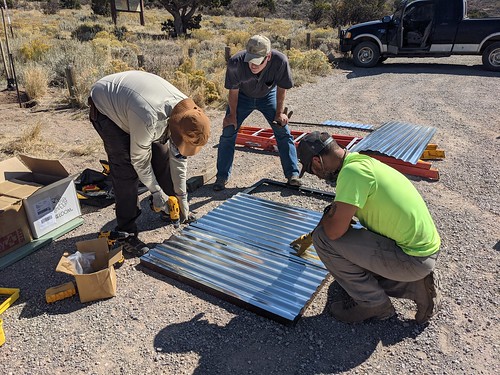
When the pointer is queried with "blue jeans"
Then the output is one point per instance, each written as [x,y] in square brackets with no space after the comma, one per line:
[284,139]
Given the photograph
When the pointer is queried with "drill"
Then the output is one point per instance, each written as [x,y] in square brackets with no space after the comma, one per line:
[173,209]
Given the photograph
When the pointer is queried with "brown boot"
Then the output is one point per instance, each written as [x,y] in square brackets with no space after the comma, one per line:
[428,298]
[350,311]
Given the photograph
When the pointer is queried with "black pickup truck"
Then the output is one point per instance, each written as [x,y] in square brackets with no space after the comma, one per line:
[424,28]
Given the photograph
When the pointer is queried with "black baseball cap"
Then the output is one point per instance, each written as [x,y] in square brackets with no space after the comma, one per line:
[311,145]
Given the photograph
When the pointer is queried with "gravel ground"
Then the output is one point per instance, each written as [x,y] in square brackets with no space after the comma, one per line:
[159,325]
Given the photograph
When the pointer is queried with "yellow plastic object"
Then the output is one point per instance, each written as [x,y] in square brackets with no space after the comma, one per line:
[173,208]
[432,152]
[59,292]
[13,294]
[2,335]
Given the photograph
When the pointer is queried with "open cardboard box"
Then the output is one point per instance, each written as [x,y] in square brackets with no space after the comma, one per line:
[102,282]
[46,189]
[14,227]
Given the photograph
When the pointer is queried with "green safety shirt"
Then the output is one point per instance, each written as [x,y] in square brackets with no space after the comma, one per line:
[388,204]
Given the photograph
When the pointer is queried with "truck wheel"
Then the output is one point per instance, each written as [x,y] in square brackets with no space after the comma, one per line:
[366,55]
[491,57]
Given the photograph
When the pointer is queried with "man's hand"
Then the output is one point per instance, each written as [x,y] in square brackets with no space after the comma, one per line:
[160,200]
[282,118]
[301,244]
[229,120]
[190,219]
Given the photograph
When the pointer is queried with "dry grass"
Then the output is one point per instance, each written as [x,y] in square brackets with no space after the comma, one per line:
[30,142]
[36,81]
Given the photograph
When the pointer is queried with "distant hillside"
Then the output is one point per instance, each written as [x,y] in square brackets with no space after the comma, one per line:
[484,8]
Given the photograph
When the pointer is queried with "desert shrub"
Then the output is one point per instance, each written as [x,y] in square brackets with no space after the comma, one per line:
[101,7]
[86,32]
[33,50]
[87,61]
[193,81]
[35,79]
[161,58]
[70,4]
[238,38]
[313,61]
[202,34]
[50,7]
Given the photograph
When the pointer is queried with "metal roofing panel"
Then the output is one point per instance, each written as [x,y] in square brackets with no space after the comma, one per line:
[240,252]
[344,124]
[400,140]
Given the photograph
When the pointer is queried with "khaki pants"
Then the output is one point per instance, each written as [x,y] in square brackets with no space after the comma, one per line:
[371,267]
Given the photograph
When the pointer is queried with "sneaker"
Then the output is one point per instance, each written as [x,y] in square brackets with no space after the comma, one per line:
[294,181]
[133,246]
[220,184]
[350,311]
[428,298]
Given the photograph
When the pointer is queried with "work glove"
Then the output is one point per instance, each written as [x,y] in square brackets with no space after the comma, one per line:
[301,244]
[190,219]
[160,200]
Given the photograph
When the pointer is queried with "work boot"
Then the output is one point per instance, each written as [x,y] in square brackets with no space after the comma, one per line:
[294,181]
[220,184]
[350,311]
[428,298]
[133,246]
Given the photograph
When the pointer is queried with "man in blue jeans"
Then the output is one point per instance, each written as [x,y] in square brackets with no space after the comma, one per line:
[257,79]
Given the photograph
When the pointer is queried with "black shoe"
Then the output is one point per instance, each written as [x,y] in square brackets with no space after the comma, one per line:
[220,184]
[294,181]
[133,246]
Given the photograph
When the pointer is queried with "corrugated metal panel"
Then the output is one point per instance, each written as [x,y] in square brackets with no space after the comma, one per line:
[240,252]
[400,140]
[344,124]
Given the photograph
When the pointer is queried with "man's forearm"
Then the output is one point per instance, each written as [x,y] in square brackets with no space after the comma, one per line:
[280,100]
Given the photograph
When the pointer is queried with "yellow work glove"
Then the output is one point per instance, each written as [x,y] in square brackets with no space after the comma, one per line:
[301,244]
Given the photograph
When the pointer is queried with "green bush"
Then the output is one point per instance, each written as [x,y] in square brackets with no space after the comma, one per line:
[85,32]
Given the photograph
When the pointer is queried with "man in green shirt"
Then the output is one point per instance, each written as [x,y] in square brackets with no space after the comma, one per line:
[393,255]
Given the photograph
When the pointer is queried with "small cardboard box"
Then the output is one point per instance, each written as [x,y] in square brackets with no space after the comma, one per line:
[102,282]
[14,227]
[46,188]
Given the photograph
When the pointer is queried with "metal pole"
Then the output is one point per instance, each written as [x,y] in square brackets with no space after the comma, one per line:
[330,126]
[8,18]
[10,75]
[15,80]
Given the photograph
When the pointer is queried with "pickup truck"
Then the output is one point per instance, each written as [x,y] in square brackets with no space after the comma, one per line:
[424,28]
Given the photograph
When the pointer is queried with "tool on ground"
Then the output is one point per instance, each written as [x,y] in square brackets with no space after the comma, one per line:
[301,244]
[173,210]
[105,166]
[13,295]
[59,292]
[112,236]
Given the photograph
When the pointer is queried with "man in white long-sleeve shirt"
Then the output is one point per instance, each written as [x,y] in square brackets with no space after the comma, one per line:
[148,127]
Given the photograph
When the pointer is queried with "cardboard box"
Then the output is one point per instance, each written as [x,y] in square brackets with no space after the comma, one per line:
[46,188]
[102,282]
[14,227]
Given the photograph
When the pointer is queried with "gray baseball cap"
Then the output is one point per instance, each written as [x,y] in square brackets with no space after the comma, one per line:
[311,145]
[258,46]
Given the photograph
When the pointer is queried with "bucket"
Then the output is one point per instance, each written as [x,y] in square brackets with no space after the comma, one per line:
[2,335]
